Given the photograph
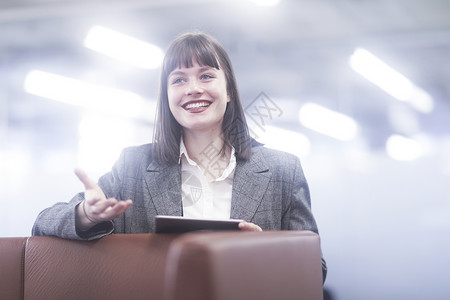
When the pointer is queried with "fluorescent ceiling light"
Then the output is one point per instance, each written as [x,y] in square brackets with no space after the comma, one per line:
[328,122]
[391,81]
[123,47]
[266,2]
[285,140]
[404,149]
[83,94]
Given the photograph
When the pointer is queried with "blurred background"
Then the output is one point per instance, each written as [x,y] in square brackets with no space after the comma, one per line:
[359,89]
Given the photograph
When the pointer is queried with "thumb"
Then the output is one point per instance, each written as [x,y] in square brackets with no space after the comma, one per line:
[87,182]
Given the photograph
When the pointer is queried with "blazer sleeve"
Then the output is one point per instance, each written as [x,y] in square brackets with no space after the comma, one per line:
[59,219]
[298,215]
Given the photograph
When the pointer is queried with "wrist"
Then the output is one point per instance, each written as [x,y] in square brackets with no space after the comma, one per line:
[86,215]
[81,222]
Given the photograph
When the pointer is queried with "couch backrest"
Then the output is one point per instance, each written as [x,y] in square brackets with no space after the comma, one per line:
[201,266]
[11,267]
[247,265]
[129,266]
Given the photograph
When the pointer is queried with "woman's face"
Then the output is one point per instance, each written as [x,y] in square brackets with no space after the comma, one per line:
[198,97]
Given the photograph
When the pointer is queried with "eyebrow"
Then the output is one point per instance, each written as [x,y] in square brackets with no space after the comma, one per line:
[202,69]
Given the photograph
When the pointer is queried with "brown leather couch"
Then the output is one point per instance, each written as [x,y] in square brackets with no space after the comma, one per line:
[203,265]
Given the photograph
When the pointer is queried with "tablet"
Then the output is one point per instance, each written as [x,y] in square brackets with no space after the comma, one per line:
[173,224]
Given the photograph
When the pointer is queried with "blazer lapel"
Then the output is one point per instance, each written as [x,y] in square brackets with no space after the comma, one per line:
[164,186]
[250,182]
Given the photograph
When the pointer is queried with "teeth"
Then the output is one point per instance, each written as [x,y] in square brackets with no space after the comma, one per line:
[196,105]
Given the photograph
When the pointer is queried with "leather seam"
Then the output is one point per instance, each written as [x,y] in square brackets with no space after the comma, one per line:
[22,267]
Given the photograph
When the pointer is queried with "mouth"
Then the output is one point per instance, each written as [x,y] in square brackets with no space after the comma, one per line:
[194,105]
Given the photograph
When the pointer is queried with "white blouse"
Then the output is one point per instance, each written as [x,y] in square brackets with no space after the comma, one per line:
[203,199]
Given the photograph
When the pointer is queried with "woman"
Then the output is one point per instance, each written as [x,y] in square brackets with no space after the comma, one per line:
[203,162]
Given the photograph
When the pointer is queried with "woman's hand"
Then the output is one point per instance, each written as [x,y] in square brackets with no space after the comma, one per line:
[95,207]
[247,226]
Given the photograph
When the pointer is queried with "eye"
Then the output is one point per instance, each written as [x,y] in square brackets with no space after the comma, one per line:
[177,80]
[206,76]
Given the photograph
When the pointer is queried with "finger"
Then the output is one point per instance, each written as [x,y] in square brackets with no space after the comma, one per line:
[247,226]
[93,196]
[116,210]
[87,182]
[254,227]
[103,205]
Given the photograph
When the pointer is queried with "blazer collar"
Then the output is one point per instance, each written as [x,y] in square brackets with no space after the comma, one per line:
[164,186]
[250,182]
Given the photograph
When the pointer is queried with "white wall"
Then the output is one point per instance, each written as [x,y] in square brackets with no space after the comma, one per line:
[385,231]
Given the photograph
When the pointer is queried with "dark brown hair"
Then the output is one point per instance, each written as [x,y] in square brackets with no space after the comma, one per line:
[207,51]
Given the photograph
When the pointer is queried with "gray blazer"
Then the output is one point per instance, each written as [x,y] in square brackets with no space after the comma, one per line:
[269,190]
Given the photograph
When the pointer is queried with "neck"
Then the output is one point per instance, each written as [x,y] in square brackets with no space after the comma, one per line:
[202,145]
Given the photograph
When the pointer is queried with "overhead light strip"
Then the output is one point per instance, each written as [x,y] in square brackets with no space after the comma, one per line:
[404,149]
[391,81]
[266,2]
[328,122]
[123,47]
[84,94]
[285,140]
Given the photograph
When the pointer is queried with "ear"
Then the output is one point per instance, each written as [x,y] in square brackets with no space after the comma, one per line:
[228,98]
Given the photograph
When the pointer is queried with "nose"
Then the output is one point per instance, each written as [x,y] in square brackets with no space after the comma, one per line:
[193,88]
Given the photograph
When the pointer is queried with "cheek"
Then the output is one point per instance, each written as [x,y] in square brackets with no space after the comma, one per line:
[171,98]
[221,92]
[172,108]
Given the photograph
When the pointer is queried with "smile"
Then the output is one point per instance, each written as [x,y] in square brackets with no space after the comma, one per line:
[194,105]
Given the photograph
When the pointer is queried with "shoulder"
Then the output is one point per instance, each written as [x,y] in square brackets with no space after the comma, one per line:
[139,150]
[144,149]
[279,163]
[137,155]
[274,157]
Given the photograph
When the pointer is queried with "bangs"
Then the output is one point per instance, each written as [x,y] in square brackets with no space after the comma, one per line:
[190,50]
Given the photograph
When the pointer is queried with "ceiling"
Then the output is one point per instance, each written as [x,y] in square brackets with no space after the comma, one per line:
[296,52]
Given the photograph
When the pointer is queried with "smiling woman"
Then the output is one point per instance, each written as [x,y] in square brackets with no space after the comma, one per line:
[202,164]
[198,99]
[197,67]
